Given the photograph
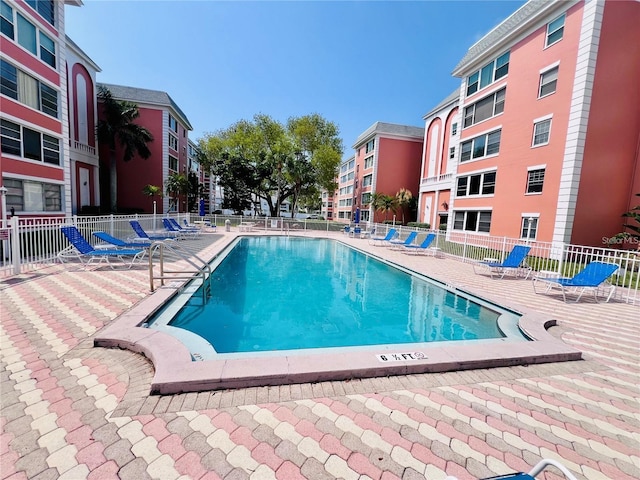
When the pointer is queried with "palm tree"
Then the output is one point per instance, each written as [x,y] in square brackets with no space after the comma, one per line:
[117,128]
[177,184]
[403,198]
[384,203]
[152,191]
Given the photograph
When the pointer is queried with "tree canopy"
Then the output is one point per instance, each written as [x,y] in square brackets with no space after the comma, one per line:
[265,159]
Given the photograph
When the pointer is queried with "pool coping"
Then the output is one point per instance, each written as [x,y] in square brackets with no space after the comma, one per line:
[178,373]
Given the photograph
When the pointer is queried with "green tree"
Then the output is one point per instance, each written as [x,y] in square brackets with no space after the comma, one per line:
[384,203]
[152,191]
[176,185]
[264,159]
[403,201]
[117,128]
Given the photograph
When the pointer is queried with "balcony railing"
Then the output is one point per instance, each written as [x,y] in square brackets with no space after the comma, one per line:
[82,147]
[438,178]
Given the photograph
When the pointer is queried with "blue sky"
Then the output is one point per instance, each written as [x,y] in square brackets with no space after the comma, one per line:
[354,63]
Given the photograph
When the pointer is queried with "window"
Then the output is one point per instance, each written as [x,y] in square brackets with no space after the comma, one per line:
[173,142]
[27,143]
[6,20]
[548,82]
[370,146]
[535,180]
[529,228]
[541,131]
[47,50]
[555,30]
[368,162]
[45,8]
[366,198]
[352,164]
[480,184]
[452,152]
[25,89]
[482,146]
[32,196]
[488,107]
[173,163]
[10,138]
[490,73]
[367,180]
[173,124]
[472,221]
[454,129]
[27,35]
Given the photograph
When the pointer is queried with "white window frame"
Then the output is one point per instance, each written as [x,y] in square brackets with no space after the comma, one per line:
[488,69]
[469,111]
[545,81]
[480,193]
[173,159]
[537,123]
[465,214]
[550,33]
[368,162]
[47,142]
[530,171]
[485,136]
[173,142]
[526,230]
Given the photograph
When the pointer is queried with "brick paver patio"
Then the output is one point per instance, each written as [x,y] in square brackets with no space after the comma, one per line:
[71,410]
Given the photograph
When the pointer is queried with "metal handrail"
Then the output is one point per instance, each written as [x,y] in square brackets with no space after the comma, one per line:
[203,270]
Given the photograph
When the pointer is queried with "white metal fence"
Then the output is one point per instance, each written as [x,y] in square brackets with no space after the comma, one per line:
[28,244]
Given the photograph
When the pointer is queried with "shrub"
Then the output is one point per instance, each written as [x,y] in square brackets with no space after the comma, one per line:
[442,226]
[419,225]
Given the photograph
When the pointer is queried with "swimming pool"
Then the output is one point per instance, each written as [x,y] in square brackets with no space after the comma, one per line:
[274,293]
[172,350]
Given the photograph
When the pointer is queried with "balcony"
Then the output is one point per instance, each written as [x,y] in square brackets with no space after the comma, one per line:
[82,147]
[445,177]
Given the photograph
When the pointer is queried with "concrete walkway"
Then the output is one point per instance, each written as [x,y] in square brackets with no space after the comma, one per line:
[71,410]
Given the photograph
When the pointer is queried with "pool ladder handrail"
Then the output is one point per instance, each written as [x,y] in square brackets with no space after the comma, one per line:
[203,269]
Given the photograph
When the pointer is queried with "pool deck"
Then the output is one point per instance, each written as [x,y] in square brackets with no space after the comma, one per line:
[72,410]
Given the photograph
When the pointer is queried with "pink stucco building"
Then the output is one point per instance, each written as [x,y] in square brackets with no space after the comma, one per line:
[548,126]
[36,161]
[387,158]
[169,151]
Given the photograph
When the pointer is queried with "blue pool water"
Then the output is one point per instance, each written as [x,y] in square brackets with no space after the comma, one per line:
[287,293]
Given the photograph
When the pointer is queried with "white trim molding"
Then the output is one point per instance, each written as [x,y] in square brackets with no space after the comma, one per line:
[578,119]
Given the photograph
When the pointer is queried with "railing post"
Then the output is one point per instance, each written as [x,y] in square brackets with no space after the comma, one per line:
[562,257]
[504,248]
[464,248]
[15,245]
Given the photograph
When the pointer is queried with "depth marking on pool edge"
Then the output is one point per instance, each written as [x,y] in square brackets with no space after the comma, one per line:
[400,357]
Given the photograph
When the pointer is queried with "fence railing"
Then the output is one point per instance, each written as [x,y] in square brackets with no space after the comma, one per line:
[28,244]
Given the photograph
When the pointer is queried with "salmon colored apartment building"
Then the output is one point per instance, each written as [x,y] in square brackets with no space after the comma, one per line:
[169,152]
[543,141]
[387,159]
[35,159]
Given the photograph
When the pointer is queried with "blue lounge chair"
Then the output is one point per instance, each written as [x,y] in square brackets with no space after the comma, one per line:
[377,241]
[105,237]
[144,235]
[180,233]
[369,233]
[87,254]
[592,277]
[191,230]
[513,262]
[399,244]
[533,473]
[423,247]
